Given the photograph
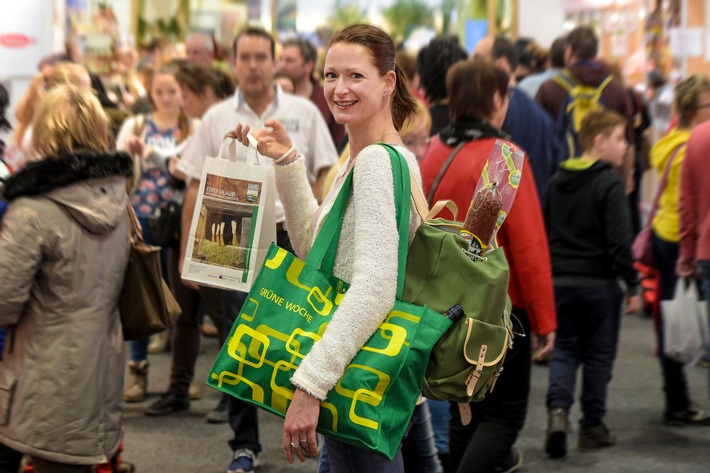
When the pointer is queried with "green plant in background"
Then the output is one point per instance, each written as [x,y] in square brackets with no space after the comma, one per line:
[172,27]
[404,15]
[346,12]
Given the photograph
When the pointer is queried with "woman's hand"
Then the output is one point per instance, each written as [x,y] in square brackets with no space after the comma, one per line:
[135,146]
[273,141]
[686,268]
[300,426]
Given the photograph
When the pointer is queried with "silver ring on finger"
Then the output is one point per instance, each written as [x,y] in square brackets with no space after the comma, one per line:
[303,441]
[294,445]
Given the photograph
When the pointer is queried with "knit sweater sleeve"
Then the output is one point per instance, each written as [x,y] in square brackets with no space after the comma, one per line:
[373,277]
[299,204]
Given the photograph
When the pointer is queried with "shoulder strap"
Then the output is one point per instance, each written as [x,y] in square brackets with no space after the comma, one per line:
[324,249]
[662,184]
[135,229]
[602,86]
[442,171]
[139,125]
[565,80]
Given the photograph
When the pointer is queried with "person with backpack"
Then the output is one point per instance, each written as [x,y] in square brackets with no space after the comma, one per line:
[589,232]
[478,99]
[366,91]
[585,84]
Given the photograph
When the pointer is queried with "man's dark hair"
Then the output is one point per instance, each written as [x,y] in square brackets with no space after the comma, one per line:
[584,42]
[557,52]
[308,51]
[254,31]
[434,60]
[503,47]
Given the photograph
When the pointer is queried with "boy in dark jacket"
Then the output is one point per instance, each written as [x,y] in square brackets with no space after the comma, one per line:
[589,233]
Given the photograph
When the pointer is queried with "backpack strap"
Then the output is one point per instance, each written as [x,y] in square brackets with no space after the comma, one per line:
[602,86]
[566,80]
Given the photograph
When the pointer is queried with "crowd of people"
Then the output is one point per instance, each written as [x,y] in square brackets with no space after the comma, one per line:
[83,149]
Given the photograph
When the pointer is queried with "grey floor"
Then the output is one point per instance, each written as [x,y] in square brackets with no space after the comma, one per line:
[185,443]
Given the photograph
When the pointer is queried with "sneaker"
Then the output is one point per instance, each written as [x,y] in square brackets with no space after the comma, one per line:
[513,464]
[691,416]
[220,414]
[557,428]
[168,403]
[244,461]
[595,437]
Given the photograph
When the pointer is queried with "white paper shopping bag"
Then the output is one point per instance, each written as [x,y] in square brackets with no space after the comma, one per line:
[234,222]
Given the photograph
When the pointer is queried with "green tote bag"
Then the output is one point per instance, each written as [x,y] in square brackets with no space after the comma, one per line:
[287,311]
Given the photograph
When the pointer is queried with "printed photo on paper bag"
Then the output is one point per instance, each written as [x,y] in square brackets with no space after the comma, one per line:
[224,231]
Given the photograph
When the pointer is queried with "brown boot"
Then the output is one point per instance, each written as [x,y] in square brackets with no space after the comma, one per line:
[137,381]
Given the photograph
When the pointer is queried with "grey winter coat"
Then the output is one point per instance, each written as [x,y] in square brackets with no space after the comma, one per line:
[64,247]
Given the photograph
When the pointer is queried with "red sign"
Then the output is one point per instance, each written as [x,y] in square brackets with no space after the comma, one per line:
[16,40]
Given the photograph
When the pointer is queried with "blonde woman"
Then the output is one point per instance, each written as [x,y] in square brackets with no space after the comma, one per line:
[62,73]
[63,251]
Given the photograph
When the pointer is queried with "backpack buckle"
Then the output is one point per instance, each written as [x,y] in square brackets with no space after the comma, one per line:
[473,377]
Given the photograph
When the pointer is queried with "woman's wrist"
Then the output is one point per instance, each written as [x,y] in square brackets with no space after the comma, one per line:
[288,156]
[308,395]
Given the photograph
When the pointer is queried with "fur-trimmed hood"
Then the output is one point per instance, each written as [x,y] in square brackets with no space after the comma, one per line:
[90,185]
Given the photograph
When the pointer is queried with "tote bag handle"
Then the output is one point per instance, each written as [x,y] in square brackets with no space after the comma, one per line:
[325,246]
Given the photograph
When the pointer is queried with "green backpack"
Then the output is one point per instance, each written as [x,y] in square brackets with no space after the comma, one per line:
[467,360]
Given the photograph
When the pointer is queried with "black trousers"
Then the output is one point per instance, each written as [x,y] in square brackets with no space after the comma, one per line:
[242,416]
[675,383]
[485,445]
[588,323]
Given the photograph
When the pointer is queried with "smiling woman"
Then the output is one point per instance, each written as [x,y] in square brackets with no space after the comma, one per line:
[366,91]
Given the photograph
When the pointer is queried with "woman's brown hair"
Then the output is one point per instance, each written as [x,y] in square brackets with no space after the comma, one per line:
[471,86]
[198,77]
[382,51]
[183,121]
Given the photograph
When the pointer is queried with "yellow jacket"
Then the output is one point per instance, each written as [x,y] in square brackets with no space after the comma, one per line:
[666,223]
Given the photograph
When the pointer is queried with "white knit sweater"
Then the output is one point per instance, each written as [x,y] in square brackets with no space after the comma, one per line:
[366,258]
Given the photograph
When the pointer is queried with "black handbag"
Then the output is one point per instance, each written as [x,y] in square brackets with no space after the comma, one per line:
[165,227]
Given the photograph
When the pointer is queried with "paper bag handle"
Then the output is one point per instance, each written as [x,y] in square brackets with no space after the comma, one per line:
[232,152]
